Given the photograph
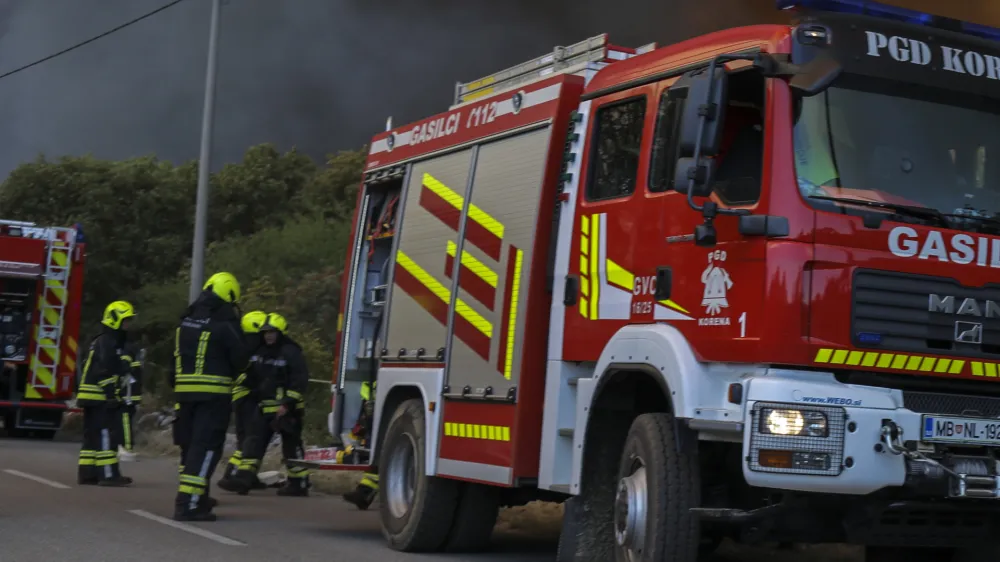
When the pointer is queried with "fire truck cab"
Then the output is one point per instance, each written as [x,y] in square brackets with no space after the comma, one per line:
[739,286]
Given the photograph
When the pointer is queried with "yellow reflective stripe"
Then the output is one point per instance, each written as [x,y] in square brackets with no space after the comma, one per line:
[366,391]
[441,292]
[199,360]
[209,379]
[127,358]
[193,480]
[241,379]
[595,278]
[192,490]
[584,269]
[177,351]
[903,362]
[618,275]
[494,226]
[240,394]
[211,389]
[86,365]
[477,431]
[107,381]
[269,409]
[135,364]
[293,394]
[477,267]
[515,293]
[91,396]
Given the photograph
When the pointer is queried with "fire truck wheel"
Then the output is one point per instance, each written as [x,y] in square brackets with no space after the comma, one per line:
[417,511]
[478,507]
[657,486]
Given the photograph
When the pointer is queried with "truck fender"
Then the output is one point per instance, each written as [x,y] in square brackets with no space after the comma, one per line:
[429,382]
[695,390]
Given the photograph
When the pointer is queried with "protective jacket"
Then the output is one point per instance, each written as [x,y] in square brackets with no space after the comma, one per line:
[131,385]
[281,376]
[102,368]
[246,384]
[209,350]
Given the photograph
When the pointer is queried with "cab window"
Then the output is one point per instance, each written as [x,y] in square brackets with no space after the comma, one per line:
[614,161]
[741,157]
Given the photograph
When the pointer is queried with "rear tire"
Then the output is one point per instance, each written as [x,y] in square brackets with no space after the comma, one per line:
[417,511]
[475,518]
[658,485]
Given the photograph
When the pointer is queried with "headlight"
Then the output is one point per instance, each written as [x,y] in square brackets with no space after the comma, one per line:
[798,423]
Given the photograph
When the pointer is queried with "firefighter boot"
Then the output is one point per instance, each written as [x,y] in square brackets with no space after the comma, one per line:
[295,487]
[364,494]
[241,482]
[116,482]
[196,515]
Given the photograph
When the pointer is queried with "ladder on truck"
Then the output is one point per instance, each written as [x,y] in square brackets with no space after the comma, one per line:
[583,59]
[60,243]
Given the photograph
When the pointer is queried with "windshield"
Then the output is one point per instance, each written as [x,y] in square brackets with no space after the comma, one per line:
[900,150]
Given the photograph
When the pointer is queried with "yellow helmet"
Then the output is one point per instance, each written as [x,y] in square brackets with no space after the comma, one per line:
[116,313]
[275,321]
[224,285]
[252,321]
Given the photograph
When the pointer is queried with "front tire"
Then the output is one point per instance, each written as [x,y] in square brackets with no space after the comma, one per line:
[658,485]
[417,510]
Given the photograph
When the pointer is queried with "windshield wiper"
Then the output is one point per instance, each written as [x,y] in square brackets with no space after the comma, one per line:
[991,221]
[907,210]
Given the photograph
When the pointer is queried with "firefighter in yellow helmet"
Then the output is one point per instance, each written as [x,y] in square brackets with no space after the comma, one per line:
[279,368]
[210,352]
[245,400]
[97,394]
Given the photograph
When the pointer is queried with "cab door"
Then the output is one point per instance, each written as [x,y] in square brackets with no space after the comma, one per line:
[607,231]
[712,293]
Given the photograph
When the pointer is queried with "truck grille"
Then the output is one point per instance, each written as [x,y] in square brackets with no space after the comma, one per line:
[951,404]
[892,311]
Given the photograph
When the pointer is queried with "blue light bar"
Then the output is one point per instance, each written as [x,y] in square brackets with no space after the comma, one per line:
[864,7]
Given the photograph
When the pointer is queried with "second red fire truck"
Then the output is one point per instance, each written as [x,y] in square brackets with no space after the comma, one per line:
[740,286]
[41,289]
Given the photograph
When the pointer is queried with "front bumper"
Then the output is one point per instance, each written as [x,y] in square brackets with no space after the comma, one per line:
[860,463]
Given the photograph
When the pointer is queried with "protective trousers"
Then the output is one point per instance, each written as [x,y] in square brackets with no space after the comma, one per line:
[99,454]
[200,430]
[290,428]
[245,410]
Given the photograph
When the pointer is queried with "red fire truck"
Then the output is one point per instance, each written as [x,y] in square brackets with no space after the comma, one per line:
[740,286]
[41,288]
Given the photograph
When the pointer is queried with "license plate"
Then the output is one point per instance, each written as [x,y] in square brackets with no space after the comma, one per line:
[946,429]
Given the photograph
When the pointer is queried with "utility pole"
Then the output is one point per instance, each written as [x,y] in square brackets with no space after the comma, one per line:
[201,205]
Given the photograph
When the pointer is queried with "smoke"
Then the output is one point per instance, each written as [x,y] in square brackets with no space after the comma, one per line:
[315,74]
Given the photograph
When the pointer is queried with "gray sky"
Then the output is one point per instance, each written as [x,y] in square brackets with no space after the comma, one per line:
[318,74]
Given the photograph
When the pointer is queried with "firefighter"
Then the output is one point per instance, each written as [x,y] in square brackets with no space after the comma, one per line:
[97,394]
[367,490]
[245,403]
[131,397]
[280,369]
[209,353]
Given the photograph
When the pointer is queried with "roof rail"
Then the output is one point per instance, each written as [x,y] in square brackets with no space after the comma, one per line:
[16,223]
[584,58]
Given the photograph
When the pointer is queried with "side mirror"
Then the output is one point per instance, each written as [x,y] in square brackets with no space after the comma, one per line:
[703,175]
[702,121]
[816,76]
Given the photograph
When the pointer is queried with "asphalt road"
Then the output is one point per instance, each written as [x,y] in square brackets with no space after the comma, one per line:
[45,516]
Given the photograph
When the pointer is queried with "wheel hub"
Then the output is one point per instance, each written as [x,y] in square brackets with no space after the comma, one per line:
[630,513]
[399,482]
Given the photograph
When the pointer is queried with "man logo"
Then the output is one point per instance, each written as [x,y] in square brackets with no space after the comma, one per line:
[968,332]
